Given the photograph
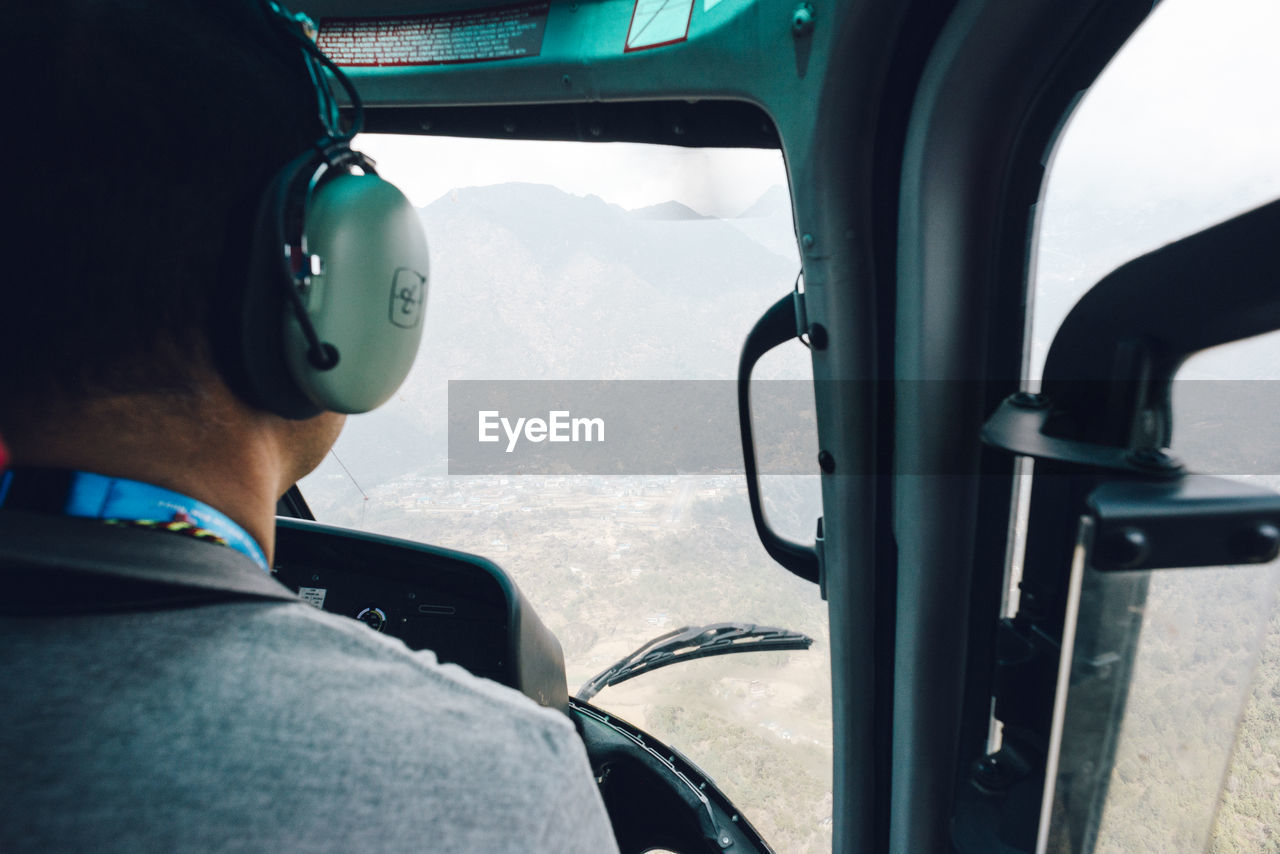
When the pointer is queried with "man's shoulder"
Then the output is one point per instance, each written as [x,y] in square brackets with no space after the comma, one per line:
[332,650]
[390,730]
[337,728]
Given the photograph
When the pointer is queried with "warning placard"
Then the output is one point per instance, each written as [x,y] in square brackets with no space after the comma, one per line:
[481,35]
[313,595]
[655,23]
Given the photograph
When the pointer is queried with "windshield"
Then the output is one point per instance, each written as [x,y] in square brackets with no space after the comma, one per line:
[613,284]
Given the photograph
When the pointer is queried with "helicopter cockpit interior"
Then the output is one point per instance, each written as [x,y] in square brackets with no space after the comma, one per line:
[905,346]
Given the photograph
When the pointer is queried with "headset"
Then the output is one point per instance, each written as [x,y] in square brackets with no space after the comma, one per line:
[336,290]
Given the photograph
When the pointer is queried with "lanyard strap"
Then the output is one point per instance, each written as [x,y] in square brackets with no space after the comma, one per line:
[115,499]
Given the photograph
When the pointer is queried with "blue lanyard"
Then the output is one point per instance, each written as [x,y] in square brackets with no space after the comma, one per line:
[95,496]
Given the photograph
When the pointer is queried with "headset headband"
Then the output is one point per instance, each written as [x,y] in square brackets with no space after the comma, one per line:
[333,149]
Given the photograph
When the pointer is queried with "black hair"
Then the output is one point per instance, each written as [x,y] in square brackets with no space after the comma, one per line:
[148,131]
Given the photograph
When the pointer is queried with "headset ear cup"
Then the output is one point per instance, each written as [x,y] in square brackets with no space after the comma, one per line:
[261,374]
[369,299]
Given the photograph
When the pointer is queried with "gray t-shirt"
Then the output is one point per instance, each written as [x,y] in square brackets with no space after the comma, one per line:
[272,726]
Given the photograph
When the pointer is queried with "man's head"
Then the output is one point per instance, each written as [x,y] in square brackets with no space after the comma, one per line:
[151,130]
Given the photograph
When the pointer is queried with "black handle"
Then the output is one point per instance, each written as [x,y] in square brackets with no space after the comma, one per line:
[777,326]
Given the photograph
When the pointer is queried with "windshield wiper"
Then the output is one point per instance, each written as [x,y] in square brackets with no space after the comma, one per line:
[692,642]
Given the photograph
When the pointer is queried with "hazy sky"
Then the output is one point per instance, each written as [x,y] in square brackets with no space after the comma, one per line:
[718,182]
[1188,109]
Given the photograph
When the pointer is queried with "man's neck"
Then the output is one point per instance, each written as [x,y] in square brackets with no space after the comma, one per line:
[214,450]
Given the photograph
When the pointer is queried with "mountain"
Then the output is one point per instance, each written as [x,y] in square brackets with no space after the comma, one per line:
[544,284]
[668,211]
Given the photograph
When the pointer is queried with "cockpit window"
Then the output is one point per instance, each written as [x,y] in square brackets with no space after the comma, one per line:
[1181,132]
[568,276]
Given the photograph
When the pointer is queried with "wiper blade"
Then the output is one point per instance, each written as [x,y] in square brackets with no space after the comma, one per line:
[690,642]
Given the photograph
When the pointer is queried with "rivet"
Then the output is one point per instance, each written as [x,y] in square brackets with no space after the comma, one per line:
[986,772]
[1126,548]
[802,20]
[1258,544]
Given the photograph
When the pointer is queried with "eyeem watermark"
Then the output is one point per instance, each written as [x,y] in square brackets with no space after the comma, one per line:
[674,427]
[653,427]
[558,426]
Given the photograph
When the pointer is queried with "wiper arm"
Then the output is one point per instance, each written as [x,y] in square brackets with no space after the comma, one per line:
[690,642]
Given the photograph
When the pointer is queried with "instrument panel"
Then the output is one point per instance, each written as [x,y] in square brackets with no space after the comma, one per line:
[462,607]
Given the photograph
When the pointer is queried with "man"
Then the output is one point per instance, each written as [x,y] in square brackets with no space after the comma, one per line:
[179,721]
